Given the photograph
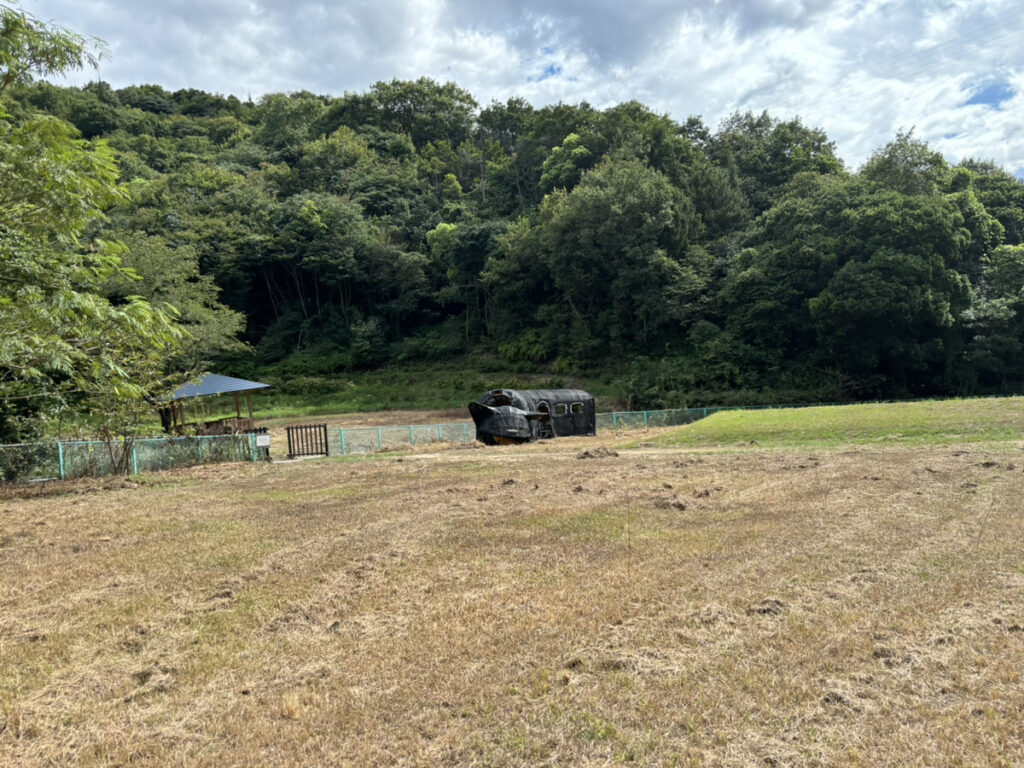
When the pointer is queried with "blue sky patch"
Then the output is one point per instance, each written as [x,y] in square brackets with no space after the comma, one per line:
[551,70]
[992,95]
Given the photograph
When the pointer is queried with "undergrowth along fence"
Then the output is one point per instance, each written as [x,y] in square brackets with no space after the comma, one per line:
[66,459]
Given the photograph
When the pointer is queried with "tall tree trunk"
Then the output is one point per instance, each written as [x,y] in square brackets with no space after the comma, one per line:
[300,292]
[270,295]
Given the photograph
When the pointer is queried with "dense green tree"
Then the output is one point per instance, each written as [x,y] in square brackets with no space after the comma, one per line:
[424,110]
[508,125]
[405,223]
[286,121]
[885,319]
[908,166]
[564,166]
[768,153]
[1001,194]
[62,338]
[618,251]
[995,355]
[856,280]
[167,275]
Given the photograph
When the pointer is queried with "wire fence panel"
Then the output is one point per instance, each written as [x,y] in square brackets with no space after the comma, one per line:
[93,458]
[673,418]
[342,442]
[425,435]
[168,453]
[457,433]
[396,437]
[29,461]
[89,458]
[68,459]
[356,440]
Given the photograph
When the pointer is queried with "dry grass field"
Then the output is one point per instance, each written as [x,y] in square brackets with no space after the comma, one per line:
[554,604]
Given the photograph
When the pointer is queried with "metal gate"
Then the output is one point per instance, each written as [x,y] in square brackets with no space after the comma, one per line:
[307,440]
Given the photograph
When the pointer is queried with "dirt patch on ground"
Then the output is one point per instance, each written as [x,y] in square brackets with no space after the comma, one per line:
[601,452]
[374,419]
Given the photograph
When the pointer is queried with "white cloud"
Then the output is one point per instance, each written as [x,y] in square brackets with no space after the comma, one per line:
[860,69]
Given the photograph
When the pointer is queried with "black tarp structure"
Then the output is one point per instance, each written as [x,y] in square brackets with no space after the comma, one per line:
[523,415]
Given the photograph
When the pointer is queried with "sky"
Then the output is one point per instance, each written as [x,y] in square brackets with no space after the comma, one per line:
[951,70]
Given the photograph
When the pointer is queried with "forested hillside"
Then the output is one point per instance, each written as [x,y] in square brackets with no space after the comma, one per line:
[314,235]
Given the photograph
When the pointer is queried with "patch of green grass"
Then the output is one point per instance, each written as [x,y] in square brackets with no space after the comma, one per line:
[925,423]
[297,495]
[592,524]
[591,727]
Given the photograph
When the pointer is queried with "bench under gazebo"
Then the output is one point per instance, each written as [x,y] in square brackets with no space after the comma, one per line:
[207,386]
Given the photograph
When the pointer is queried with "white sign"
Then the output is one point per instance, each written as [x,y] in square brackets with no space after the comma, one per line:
[262,441]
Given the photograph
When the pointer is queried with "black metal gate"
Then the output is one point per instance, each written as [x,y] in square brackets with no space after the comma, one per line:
[307,440]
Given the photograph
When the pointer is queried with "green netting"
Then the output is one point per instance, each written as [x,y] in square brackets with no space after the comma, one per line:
[395,437]
[640,419]
[94,458]
[343,441]
[368,439]
[28,461]
[37,461]
[168,453]
[457,433]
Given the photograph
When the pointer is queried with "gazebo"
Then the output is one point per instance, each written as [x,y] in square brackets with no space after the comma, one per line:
[207,386]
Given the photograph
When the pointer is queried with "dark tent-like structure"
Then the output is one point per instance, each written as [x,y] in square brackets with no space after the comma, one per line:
[207,386]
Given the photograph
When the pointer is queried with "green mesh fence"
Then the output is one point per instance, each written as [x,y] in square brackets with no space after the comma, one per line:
[66,459]
[368,439]
[342,442]
[168,453]
[28,461]
[94,458]
[641,419]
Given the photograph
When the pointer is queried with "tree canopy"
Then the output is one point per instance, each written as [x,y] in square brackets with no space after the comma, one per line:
[63,339]
[322,234]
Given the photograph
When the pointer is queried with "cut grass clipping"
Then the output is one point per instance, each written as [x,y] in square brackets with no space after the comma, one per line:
[933,422]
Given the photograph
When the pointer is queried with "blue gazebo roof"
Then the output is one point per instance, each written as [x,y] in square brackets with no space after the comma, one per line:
[215,384]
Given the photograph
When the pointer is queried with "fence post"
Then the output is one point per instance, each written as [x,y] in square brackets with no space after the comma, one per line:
[465,434]
[705,413]
[252,445]
[341,434]
[60,458]
[615,419]
[412,437]
[439,436]
[380,438]
[645,419]
[135,460]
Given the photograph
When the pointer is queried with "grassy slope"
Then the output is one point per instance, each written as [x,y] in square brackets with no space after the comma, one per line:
[932,422]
